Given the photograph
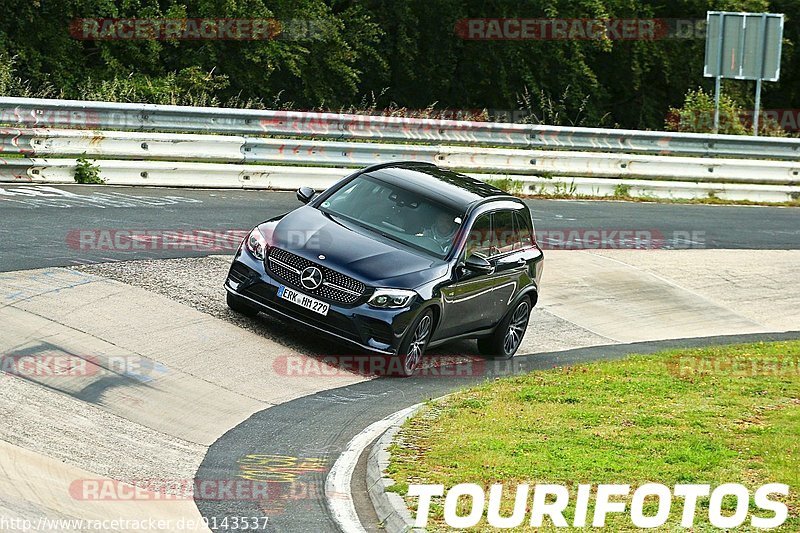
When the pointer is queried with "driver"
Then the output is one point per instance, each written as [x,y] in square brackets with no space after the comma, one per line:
[442,231]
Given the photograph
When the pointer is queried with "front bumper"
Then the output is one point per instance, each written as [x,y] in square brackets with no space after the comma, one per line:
[374,330]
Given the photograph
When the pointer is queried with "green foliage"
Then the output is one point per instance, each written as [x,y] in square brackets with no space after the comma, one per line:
[319,67]
[543,108]
[406,57]
[622,190]
[697,114]
[12,84]
[6,73]
[556,189]
[562,188]
[190,86]
[769,127]
[508,185]
[86,172]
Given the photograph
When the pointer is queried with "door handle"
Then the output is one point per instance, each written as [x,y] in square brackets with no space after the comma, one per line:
[510,265]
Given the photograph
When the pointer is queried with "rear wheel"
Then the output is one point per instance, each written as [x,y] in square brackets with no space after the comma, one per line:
[240,305]
[413,346]
[506,339]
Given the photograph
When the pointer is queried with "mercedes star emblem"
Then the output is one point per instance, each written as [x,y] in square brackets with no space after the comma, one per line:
[311,278]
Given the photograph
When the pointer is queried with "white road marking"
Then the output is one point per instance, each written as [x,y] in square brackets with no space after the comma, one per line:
[42,196]
[337,484]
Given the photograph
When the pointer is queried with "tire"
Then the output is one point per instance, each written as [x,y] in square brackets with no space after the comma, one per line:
[409,356]
[240,306]
[507,337]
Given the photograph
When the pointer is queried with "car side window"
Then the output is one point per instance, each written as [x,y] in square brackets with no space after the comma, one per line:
[480,241]
[523,227]
[505,238]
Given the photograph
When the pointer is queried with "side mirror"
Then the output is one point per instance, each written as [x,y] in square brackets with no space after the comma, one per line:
[478,264]
[305,194]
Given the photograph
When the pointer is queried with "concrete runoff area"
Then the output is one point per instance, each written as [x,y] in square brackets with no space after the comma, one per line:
[36,486]
[759,287]
[199,370]
[163,381]
[631,296]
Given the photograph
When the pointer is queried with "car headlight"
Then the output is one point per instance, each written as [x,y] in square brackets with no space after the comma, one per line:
[256,244]
[391,298]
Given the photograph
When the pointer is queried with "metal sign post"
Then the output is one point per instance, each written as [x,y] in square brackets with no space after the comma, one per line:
[717,89]
[743,46]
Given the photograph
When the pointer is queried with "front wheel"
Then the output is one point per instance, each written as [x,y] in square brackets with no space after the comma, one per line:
[413,346]
[506,339]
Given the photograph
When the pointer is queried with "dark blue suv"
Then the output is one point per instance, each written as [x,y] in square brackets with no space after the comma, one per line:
[396,258]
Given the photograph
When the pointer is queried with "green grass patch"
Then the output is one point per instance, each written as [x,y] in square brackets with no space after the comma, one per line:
[622,190]
[705,200]
[507,185]
[726,414]
[560,190]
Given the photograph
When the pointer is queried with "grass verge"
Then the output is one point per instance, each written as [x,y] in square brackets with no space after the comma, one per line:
[654,200]
[622,192]
[727,414]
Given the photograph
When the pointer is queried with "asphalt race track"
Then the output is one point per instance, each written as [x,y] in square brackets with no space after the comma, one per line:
[36,221]
[215,408]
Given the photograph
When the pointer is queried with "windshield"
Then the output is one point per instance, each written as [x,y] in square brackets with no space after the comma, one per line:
[397,214]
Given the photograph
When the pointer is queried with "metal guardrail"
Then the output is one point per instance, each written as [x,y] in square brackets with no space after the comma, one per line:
[170,174]
[238,149]
[56,131]
[194,147]
[15,171]
[44,113]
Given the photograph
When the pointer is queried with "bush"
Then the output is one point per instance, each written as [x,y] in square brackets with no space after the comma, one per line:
[13,85]
[189,86]
[697,116]
[86,172]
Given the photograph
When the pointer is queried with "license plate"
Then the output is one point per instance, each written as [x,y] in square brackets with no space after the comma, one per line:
[298,298]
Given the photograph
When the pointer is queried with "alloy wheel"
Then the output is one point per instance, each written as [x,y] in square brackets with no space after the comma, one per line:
[516,328]
[417,346]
